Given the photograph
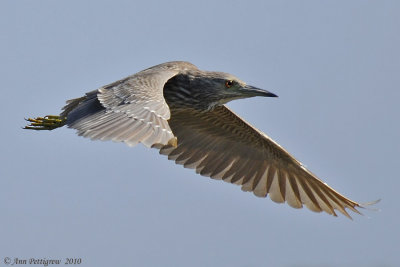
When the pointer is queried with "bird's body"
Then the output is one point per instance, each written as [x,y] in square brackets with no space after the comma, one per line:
[180,110]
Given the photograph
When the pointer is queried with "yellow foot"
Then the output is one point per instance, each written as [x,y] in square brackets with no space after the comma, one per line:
[48,122]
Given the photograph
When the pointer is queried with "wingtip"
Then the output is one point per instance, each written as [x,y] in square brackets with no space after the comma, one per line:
[367,205]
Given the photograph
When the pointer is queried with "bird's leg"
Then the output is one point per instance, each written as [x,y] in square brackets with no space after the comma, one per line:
[173,142]
[48,122]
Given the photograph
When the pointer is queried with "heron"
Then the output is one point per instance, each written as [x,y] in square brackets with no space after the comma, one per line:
[180,110]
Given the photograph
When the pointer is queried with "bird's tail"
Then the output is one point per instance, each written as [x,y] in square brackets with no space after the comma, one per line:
[49,122]
[76,110]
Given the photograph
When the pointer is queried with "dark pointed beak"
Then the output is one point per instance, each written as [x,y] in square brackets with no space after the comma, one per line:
[254,91]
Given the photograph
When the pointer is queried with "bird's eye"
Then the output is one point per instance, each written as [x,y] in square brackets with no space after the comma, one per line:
[228,83]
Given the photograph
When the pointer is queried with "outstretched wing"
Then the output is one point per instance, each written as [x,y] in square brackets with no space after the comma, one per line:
[221,145]
[130,110]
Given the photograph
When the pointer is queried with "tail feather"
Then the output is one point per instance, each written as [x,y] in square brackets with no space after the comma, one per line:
[73,114]
[80,108]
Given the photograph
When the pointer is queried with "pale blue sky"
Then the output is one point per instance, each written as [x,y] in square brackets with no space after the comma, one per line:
[335,67]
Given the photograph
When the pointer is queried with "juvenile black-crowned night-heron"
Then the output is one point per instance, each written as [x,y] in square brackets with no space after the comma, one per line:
[179,109]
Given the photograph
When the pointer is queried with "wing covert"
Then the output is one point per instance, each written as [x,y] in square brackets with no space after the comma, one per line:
[132,110]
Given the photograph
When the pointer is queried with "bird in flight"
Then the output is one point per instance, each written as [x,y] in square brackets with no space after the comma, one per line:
[180,110]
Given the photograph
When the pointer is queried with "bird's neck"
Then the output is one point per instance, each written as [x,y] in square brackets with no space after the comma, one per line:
[179,92]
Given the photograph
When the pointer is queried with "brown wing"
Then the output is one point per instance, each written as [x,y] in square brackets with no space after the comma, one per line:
[221,145]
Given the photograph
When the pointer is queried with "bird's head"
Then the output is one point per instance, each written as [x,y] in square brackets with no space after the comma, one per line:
[207,89]
[225,87]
